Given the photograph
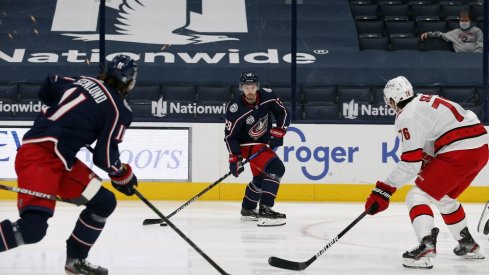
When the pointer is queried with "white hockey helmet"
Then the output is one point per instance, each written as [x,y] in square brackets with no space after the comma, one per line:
[398,89]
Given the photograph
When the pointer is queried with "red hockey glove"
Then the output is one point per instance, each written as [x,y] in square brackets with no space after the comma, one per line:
[124,181]
[379,199]
[277,137]
[426,159]
[235,164]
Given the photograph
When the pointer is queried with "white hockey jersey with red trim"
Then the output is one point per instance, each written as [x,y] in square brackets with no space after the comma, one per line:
[432,125]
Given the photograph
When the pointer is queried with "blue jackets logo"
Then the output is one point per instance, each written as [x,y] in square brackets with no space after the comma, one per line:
[161,22]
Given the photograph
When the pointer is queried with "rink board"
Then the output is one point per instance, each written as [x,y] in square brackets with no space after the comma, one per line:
[175,161]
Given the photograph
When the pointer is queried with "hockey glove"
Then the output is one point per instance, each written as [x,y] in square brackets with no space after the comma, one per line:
[235,164]
[124,181]
[426,159]
[276,137]
[379,199]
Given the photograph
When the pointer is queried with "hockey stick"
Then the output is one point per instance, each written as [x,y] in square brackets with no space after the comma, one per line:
[159,221]
[286,264]
[34,193]
[167,221]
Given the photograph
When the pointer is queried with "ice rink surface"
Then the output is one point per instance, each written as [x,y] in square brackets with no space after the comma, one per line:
[373,246]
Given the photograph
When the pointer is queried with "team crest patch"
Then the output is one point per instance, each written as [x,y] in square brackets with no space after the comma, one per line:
[233,108]
[250,120]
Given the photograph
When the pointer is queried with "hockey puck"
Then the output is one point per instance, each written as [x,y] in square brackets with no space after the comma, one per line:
[163,224]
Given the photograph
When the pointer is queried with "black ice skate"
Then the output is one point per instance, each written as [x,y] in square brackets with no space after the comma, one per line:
[421,256]
[249,215]
[268,217]
[81,266]
[467,248]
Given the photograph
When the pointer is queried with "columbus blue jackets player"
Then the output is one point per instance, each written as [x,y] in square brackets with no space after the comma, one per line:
[79,111]
[249,129]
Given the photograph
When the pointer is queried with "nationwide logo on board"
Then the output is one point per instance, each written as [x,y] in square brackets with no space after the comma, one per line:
[156,22]
[161,108]
[352,110]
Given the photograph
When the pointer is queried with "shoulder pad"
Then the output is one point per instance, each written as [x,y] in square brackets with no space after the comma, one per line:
[268,90]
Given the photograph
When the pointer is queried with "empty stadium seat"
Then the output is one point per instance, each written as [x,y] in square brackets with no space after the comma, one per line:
[364,10]
[394,26]
[318,95]
[404,43]
[182,93]
[374,43]
[477,9]
[428,90]
[394,10]
[448,10]
[436,44]
[369,26]
[425,10]
[214,94]
[465,96]
[9,92]
[299,115]
[321,112]
[29,91]
[283,93]
[453,25]
[144,93]
[431,26]
[142,111]
[356,93]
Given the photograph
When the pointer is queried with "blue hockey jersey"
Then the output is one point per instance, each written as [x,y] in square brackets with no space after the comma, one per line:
[250,124]
[80,111]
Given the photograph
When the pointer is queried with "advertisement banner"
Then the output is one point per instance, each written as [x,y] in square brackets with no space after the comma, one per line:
[154,154]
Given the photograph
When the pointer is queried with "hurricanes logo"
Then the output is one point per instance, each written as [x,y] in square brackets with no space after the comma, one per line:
[162,22]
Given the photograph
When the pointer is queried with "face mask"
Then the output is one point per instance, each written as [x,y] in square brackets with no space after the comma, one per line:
[464,25]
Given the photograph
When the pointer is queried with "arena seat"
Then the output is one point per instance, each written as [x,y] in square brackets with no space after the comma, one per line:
[210,94]
[144,93]
[9,92]
[465,96]
[321,112]
[318,95]
[182,93]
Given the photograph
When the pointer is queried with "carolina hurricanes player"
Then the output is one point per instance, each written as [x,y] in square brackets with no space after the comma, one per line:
[80,111]
[249,129]
[444,146]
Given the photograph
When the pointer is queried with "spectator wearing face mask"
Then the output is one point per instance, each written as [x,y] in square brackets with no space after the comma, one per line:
[465,39]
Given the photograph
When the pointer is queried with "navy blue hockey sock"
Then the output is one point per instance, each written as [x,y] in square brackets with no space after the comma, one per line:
[252,193]
[270,189]
[7,238]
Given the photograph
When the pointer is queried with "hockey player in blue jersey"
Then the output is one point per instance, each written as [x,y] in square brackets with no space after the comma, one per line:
[80,111]
[248,129]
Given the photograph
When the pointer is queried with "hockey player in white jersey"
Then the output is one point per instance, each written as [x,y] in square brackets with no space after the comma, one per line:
[444,147]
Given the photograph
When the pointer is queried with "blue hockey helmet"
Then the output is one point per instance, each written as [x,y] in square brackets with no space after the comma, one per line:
[124,69]
[249,78]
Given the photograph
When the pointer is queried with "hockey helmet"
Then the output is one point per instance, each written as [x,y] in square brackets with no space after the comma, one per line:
[249,78]
[124,69]
[398,89]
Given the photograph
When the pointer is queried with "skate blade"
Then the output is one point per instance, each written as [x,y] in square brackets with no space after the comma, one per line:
[249,219]
[474,256]
[423,263]
[270,222]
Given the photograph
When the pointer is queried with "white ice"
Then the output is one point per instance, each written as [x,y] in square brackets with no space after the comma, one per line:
[373,246]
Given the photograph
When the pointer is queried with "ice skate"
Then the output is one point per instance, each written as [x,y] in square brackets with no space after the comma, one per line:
[249,215]
[268,217]
[467,248]
[422,255]
[82,266]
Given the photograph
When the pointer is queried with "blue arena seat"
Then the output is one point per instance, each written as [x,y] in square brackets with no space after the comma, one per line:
[465,96]
[213,93]
[318,95]
[431,26]
[477,9]
[425,10]
[357,93]
[369,26]
[142,111]
[394,26]
[454,10]
[283,93]
[436,44]
[181,93]
[29,91]
[364,10]
[144,93]
[321,112]
[404,43]
[394,9]
[9,92]
[374,43]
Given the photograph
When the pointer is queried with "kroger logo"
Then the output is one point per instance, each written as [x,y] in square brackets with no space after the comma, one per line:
[352,110]
[322,154]
[162,22]
[161,108]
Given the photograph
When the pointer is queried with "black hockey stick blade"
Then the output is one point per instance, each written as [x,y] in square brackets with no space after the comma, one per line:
[152,221]
[290,265]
